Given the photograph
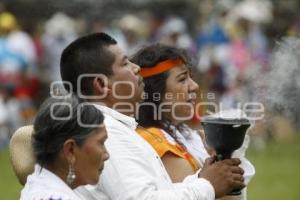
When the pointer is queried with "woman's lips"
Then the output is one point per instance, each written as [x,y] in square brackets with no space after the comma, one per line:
[192,98]
[192,101]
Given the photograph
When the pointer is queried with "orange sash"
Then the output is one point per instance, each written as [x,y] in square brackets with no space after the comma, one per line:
[159,142]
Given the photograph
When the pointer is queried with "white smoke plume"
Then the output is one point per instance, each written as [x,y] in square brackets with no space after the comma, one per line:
[282,82]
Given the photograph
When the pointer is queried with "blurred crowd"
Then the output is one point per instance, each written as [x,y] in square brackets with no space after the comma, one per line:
[227,40]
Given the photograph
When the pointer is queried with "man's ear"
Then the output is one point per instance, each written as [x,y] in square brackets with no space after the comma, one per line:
[100,86]
[69,150]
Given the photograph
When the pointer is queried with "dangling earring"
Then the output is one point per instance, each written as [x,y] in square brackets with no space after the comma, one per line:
[71,175]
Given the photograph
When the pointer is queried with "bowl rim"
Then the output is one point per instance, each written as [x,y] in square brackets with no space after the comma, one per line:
[231,121]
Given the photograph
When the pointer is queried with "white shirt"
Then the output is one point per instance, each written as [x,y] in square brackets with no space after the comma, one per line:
[134,170]
[194,144]
[43,184]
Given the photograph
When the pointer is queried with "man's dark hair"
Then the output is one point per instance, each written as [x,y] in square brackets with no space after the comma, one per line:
[58,121]
[148,57]
[87,55]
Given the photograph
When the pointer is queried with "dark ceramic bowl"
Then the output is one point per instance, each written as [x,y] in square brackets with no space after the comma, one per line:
[225,135]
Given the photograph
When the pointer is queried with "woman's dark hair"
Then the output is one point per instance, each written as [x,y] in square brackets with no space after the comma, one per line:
[148,57]
[59,120]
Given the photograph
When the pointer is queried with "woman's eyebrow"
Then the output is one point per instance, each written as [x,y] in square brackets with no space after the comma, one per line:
[185,72]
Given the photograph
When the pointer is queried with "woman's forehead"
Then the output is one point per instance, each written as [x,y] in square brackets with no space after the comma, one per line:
[182,68]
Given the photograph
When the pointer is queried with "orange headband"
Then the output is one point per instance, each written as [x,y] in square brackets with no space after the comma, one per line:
[160,67]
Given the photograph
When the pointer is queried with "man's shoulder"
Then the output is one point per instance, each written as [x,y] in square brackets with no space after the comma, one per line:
[116,126]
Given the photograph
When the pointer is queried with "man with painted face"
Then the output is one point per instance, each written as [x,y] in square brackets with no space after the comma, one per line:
[98,70]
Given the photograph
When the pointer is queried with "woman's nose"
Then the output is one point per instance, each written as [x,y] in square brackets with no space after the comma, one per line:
[193,87]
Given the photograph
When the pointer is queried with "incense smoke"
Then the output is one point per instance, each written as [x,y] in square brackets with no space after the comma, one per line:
[282,82]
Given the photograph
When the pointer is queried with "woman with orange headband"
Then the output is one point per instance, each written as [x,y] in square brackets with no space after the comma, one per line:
[166,74]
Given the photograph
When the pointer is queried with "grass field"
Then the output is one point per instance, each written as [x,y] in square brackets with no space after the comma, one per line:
[9,186]
[277,174]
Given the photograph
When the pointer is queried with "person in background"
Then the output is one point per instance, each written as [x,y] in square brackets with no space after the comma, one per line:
[59,32]
[68,144]
[17,72]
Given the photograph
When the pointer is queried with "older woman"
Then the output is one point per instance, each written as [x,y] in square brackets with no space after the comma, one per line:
[68,144]
[169,101]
